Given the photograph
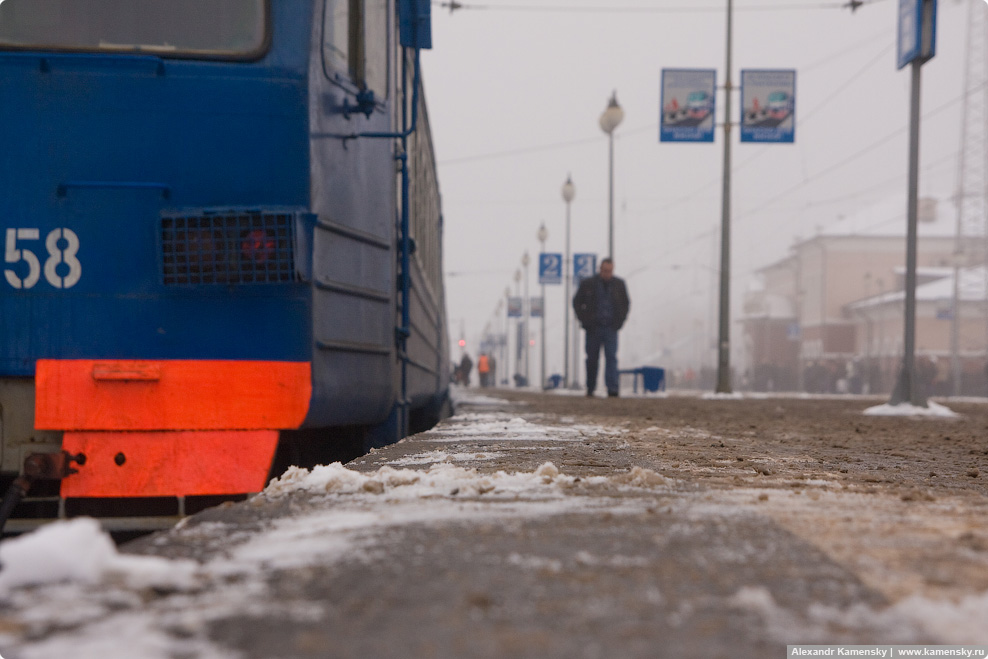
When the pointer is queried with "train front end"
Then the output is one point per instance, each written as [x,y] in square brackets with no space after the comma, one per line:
[154,315]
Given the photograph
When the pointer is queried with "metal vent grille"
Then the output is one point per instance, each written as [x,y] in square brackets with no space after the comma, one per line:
[235,248]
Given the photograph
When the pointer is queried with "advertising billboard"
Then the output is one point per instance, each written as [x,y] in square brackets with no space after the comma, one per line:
[768,105]
[688,105]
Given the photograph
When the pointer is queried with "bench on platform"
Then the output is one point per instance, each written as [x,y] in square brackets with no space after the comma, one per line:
[653,378]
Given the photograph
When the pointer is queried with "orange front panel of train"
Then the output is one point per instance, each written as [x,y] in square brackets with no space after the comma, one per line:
[82,394]
[177,463]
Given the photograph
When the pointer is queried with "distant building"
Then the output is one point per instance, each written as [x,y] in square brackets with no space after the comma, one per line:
[829,317]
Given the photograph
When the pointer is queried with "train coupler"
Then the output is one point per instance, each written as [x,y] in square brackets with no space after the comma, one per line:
[38,466]
[52,466]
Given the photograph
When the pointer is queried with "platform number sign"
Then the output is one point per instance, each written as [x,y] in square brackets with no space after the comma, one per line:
[584,267]
[917,31]
[550,268]
[61,268]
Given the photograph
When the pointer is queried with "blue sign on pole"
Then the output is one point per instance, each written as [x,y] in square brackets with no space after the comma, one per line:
[688,103]
[514,307]
[768,105]
[584,267]
[550,268]
[917,31]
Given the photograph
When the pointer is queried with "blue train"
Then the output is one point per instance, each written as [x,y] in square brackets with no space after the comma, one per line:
[223,247]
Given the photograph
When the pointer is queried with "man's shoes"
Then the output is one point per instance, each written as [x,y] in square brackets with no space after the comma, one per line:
[590,393]
[612,394]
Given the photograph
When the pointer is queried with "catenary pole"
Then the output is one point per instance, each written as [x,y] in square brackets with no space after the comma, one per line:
[724,332]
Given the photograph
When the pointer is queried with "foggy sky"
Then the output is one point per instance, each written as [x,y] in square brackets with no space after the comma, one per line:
[514,100]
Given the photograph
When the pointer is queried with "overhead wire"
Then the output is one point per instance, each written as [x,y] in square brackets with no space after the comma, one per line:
[455,5]
[649,127]
[765,149]
[854,156]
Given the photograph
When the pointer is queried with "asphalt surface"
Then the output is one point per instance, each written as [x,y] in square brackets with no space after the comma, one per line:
[687,527]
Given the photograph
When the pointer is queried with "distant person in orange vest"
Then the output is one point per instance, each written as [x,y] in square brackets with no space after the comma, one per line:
[484,369]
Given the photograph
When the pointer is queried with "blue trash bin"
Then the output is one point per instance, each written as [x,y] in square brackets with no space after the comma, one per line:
[653,378]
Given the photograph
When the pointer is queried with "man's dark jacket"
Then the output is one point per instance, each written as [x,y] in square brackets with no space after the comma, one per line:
[585,302]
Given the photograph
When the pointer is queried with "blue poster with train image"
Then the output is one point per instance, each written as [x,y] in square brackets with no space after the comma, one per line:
[768,105]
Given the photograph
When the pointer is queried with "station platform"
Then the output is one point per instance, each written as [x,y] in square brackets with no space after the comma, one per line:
[551,525]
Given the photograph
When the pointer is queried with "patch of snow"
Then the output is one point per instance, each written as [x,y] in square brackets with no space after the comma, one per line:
[441,456]
[567,392]
[906,409]
[953,622]
[709,395]
[911,620]
[444,479]
[506,427]
[535,563]
[79,550]
[461,396]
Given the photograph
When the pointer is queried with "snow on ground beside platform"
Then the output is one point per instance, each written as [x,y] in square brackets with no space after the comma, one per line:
[442,456]
[709,395]
[495,425]
[912,620]
[462,396]
[905,409]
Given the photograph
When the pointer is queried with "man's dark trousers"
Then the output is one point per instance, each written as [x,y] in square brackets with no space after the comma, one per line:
[607,338]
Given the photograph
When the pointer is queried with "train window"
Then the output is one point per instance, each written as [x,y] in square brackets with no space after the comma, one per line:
[336,36]
[183,28]
[376,14]
[355,42]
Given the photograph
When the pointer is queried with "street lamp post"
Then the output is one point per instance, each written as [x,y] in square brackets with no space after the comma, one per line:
[518,326]
[507,330]
[526,309]
[543,235]
[569,191]
[496,343]
[609,120]
[955,321]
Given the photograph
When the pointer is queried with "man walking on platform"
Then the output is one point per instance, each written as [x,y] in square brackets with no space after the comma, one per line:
[601,304]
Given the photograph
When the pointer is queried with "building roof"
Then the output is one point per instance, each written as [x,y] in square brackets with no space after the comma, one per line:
[887,218]
[883,220]
[973,288]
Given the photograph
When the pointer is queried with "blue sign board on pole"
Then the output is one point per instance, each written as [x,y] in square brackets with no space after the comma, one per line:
[584,267]
[550,268]
[917,31]
[688,104]
[768,105]
[514,307]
